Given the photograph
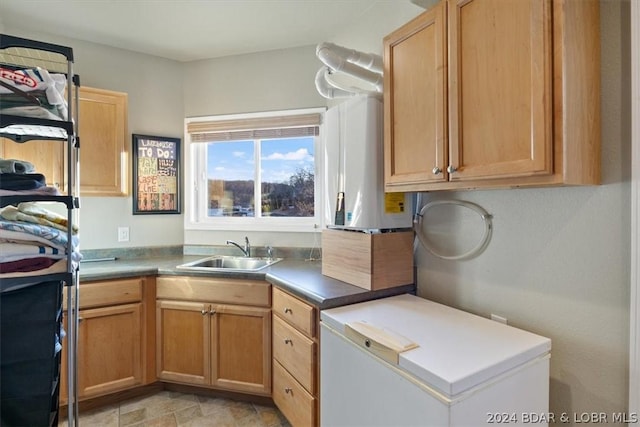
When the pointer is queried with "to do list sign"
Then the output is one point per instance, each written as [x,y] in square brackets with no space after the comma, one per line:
[156,174]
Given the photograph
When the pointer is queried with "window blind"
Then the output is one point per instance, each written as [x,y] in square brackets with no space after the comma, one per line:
[253,128]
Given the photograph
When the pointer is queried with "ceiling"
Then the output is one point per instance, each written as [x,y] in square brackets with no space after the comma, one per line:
[188,30]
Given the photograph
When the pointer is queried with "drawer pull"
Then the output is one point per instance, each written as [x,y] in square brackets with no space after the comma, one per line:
[288,341]
[288,390]
[287,310]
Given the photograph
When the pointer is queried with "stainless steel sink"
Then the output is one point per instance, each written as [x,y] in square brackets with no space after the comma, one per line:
[229,263]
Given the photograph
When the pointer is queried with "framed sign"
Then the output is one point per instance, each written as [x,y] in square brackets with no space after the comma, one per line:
[156,175]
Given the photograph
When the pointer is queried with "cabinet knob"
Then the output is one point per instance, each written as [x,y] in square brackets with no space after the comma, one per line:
[436,170]
[288,390]
[288,341]
[287,310]
[212,312]
[204,312]
[451,169]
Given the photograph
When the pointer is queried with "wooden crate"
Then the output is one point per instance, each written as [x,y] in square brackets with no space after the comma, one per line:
[370,261]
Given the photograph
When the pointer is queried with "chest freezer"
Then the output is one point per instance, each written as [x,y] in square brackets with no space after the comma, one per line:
[407,361]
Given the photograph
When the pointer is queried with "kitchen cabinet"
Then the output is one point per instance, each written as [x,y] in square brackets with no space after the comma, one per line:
[487,93]
[104,146]
[295,359]
[112,337]
[225,324]
[104,142]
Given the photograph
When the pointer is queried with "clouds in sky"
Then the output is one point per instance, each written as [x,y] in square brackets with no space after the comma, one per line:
[279,159]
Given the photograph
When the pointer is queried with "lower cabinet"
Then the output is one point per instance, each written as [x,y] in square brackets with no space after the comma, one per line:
[110,338]
[295,359]
[214,333]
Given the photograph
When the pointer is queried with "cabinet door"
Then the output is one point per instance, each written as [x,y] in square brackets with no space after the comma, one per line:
[103,142]
[500,98]
[415,104]
[241,348]
[47,157]
[109,349]
[182,341]
[109,356]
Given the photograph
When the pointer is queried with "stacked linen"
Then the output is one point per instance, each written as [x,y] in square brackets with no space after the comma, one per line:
[33,92]
[34,241]
[20,177]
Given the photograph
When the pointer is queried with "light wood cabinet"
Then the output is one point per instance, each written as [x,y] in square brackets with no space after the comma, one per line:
[111,338]
[295,359]
[104,153]
[488,93]
[229,344]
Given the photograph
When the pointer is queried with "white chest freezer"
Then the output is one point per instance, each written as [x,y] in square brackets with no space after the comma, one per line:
[407,361]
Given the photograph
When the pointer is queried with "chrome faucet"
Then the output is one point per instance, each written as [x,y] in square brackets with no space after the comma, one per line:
[247,248]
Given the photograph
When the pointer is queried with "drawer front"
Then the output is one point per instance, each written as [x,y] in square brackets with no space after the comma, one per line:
[109,292]
[295,352]
[296,312]
[224,291]
[292,399]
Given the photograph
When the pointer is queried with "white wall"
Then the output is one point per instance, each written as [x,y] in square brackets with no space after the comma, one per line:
[559,260]
[266,81]
[154,86]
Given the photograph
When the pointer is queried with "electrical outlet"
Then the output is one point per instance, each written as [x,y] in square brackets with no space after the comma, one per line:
[123,234]
[499,319]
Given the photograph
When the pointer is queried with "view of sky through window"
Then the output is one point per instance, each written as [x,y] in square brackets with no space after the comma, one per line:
[287,161]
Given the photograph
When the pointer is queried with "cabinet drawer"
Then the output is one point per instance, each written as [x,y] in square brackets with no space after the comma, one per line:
[225,291]
[292,399]
[296,312]
[110,292]
[295,352]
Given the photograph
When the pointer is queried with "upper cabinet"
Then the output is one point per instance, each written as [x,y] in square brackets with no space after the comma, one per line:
[493,93]
[103,142]
[104,150]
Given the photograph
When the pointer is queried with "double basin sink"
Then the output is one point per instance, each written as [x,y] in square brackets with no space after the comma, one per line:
[229,263]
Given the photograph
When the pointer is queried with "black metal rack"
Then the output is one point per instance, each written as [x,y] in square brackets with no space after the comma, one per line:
[31,306]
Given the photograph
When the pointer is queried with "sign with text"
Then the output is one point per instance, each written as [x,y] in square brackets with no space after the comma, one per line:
[156,175]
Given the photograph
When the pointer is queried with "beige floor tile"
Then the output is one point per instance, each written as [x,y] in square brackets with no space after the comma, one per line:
[171,409]
[187,414]
[269,416]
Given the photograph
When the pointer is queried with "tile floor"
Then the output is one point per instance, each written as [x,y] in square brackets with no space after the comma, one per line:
[168,409]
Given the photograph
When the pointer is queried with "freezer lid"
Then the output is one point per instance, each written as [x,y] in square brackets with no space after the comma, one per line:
[456,350]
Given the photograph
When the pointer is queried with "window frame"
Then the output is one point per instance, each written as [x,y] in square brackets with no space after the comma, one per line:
[195,171]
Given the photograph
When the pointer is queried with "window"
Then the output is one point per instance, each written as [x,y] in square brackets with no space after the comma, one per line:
[254,171]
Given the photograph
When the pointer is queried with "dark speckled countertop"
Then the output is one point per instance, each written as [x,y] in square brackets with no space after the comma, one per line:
[301,278]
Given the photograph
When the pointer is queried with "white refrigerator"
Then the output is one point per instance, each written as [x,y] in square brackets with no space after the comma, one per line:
[407,361]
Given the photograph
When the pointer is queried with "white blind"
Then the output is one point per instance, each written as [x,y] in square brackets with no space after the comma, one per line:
[252,128]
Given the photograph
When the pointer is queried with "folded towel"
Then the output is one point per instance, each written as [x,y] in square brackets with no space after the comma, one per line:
[21,181]
[36,214]
[16,166]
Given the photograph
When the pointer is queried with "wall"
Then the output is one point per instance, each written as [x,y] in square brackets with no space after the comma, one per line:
[154,86]
[559,259]
[266,81]
[558,263]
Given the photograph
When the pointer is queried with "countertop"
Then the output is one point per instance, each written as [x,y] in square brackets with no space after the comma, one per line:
[301,278]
